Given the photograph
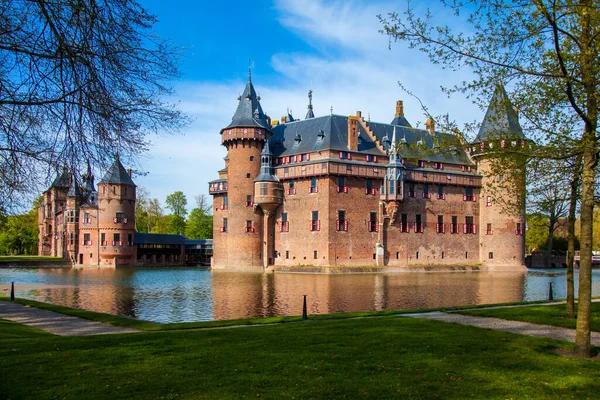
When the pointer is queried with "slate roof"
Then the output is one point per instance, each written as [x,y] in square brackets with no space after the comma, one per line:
[331,133]
[62,180]
[74,188]
[401,121]
[117,174]
[249,113]
[266,168]
[158,238]
[500,120]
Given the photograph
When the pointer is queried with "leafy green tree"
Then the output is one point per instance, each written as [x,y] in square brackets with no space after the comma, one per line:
[537,231]
[549,52]
[199,225]
[19,233]
[177,202]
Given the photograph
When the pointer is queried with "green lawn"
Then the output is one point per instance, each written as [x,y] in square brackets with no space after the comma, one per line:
[388,357]
[26,259]
[546,315]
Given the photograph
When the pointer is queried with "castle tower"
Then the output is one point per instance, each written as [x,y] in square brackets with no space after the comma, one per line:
[268,195]
[72,220]
[116,216]
[237,224]
[502,196]
[52,234]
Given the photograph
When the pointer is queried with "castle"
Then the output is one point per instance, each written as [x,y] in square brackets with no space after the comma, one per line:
[93,227]
[342,191]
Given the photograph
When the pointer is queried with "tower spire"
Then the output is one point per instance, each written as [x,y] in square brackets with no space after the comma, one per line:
[249,70]
[309,113]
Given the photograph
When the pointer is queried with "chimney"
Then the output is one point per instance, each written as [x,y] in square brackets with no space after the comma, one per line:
[517,112]
[283,119]
[358,114]
[129,172]
[399,108]
[430,125]
[353,133]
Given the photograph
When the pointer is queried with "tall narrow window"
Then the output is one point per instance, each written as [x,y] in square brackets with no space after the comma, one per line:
[468,196]
[292,189]
[342,188]
[418,224]
[469,226]
[103,239]
[454,226]
[426,194]
[488,230]
[285,225]
[441,227]
[404,223]
[248,200]
[440,193]
[129,239]
[369,189]
[224,225]
[313,186]
[518,231]
[116,239]
[411,190]
[249,227]
[315,224]
[391,186]
[263,189]
[342,222]
[373,225]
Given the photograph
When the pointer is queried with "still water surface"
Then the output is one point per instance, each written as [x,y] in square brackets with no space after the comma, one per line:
[191,294]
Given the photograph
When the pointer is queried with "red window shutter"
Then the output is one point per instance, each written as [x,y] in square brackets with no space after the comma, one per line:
[366,190]
[345,189]
[464,228]
[349,156]
[376,226]
[474,198]
[443,228]
[367,158]
[293,158]
[441,165]
[374,159]
[287,226]
[316,189]
[310,228]
[346,225]
[341,155]
[464,197]
[337,224]
[462,168]
[318,224]
[474,228]
[307,157]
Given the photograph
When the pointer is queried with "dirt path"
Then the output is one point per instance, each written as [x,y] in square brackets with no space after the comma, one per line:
[58,324]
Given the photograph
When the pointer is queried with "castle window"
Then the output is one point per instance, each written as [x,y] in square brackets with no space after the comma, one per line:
[419,226]
[249,198]
[397,255]
[411,190]
[342,188]
[315,255]
[421,164]
[116,239]
[490,255]
[488,229]
[103,239]
[120,218]
[469,226]
[369,189]
[129,239]
[224,225]
[518,231]
[315,223]
[404,223]
[263,189]
[287,254]
[392,186]
[87,239]
[249,227]
[86,218]
[348,167]
[440,193]
[248,175]
[501,177]
[441,226]
[454,225]
[341,223]
[426,194]
[468,196]
[344,155]
[372,225]
[71,238]
[251,158]
[285,224]
[292,189]
[443,255]
[313,186]
[114,189]
[488,201]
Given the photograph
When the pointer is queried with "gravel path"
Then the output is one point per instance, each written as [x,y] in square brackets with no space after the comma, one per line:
[518,327]
[58,324]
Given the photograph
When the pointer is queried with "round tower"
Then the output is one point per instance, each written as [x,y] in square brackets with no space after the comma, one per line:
[116,216]
[237,238]
[502,195]
[72,220]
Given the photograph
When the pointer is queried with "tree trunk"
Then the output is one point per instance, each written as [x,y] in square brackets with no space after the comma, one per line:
[571,236]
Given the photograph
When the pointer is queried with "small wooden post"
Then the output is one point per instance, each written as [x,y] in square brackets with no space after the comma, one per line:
[12,291]
[550,296]
[304,313]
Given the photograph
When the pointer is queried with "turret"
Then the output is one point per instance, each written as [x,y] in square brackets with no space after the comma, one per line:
[502,198]
[72,219]
[309,113]
[393,185]
[116,215]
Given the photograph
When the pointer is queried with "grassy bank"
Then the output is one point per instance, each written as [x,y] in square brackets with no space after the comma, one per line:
[26,259]
[546,315]
[361,358]
[153,326]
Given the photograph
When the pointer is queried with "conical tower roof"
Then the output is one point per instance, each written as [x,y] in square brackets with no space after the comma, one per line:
[74,188]
[249,113]
[117,174]
[62,180]
[309,113]
[266,165]
[501,120]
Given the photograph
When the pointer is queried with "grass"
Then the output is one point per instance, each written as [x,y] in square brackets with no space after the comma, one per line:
[545,315]
[153,326]
[26,259]
[361,358]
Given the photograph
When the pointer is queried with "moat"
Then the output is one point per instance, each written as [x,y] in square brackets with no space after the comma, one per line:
[191,294]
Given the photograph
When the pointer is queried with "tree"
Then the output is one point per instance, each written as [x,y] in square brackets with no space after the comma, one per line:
[199,225]
[157,221]
[537,231]
[142,203]
[176,202]
[19,233]
[79,80]
[549,51]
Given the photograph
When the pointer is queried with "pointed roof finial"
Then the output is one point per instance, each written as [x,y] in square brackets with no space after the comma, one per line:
[249,70]
[331,110]
[309,113]
[393,149]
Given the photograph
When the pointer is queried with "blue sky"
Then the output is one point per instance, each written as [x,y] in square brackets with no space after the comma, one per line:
[333,44]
